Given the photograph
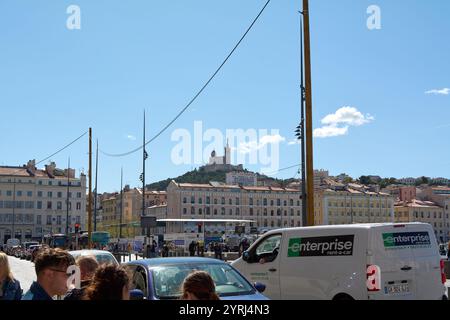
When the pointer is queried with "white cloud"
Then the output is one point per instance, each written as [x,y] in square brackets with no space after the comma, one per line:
[347,115]
[338,123]
[330,131]
[293,142]
[248,147]
[131,137]
[445,91]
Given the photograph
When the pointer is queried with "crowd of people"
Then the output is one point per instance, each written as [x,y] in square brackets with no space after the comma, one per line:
[97,282]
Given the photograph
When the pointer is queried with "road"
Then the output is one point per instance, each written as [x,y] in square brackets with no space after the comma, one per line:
[24,272]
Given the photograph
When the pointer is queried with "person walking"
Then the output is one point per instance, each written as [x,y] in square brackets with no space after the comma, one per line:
[9,287]
[218,251]
[88,265]
[110,282]
[51,271]
[199,286]
[165,250]
[192,248]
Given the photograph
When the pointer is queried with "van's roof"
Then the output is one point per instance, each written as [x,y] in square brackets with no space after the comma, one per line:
[347,226]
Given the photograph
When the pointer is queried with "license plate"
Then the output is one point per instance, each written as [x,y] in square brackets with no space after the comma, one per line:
[397,289]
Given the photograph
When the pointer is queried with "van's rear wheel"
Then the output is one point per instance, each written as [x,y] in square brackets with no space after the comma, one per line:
[343,297]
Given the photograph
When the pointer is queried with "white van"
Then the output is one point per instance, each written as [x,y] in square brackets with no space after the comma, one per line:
[365,261]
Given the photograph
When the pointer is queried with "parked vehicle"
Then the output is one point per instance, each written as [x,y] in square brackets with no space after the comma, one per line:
[162,278]
[10,243]
[366,261]
[103,257]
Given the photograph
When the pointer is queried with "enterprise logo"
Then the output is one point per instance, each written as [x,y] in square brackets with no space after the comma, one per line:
[406,239]
[321,246]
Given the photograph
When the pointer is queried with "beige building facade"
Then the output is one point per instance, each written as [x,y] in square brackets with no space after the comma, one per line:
[33,202]
[352,204]
[267,207]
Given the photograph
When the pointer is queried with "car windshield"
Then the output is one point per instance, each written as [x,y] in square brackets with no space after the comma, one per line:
[168,280]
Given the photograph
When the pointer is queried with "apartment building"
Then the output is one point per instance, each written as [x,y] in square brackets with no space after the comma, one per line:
[352,203]
[37,202]
[267,207]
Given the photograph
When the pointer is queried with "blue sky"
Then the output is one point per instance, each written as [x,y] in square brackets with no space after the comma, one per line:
[133,55]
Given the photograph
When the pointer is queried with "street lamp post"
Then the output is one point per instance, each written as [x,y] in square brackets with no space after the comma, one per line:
[13,235]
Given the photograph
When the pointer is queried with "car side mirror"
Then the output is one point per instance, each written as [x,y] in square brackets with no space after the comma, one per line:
[260,287]
[246,256]
[136,294]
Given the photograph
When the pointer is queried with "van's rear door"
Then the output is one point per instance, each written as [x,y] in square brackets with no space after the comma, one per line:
[427,266]
[396,262]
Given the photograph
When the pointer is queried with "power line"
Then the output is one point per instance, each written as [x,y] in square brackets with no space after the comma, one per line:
[283,169]
[55,153]
[198,93]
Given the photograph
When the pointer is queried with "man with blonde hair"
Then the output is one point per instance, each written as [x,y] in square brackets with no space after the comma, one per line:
[88,266]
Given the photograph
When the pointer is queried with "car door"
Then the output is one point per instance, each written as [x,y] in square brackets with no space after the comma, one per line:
[139,277]
[263,265]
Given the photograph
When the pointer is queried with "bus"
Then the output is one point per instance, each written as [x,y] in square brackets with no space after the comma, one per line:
[56,241]
[100,239]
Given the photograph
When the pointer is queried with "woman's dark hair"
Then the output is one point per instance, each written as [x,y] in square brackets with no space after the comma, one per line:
[107,283]
[201,285]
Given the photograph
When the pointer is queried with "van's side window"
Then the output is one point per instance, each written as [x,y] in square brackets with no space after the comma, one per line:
[267,250]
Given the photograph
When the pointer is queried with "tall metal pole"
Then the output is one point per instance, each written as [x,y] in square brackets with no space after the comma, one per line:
[13,235]
[67,197]
[121,203]
[96,186]
[309,129]
[90,191]
[302,127]
[144,157]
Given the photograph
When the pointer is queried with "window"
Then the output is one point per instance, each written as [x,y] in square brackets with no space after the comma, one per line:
[200,211]
[208,200]
[79,195]
[267,250]
[230,202]
[285,203]
[39,204]
[58,220]
[208,211]
[184,200]
[78,205]
[215,201]
[265,212]
[238,212]
[59,205]
[251,201]
[39,194]
[237,201]
[50,183]
[223,211]
[265,202]
[49,220]
[38,220]
[231,212]
[271,213]
[271,203]
[291,202]
[251,211]
[215,212]
[278,202]
[49,204]
[49,194]
[40,182]
[184,211]
[192,210]
[78,219]
[9,193]
[29,193]
[223,200]
[200,200]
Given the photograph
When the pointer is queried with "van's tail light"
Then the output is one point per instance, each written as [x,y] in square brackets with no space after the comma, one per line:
[373,278]
[443,277]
